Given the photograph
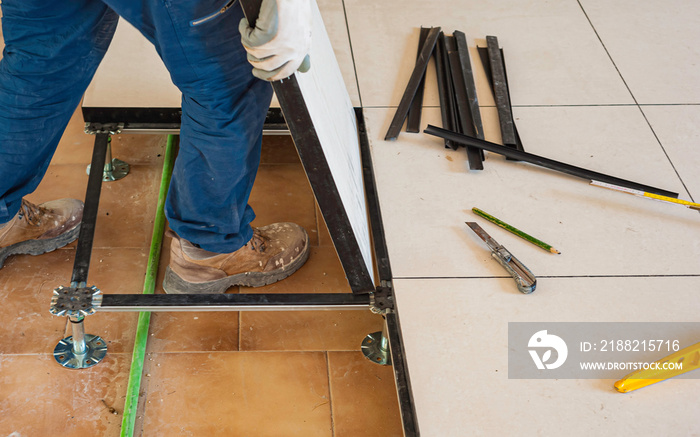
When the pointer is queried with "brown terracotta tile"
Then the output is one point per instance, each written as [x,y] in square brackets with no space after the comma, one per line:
[27,284]
[278,149]
[237,393]
[193,331]
[282,194]
[307,330]
[324,236]
[39,397]
[127,207]
[322,273]
[363,396]
[136,149]
[26,287]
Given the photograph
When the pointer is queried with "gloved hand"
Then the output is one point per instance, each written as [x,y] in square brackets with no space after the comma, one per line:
[279,43]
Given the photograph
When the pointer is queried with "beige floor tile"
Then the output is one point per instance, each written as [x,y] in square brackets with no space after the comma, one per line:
[461,381]
[307,330]
[282,194]
[238,393]
[553,56]
[678,130]
[653,46]
[364,397]
[599,232]
[39,397]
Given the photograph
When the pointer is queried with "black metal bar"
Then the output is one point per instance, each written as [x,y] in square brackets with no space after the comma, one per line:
[414,112]
[469,84]
[484,55]
[500,90]
[403,381]
[518,141]
[83,249]
[543,162]
[144,119]
[444,88]
[229,302]
[381,251]
[464,115]
[414,81]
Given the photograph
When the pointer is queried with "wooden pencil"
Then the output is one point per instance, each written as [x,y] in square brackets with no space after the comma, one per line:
[515,231]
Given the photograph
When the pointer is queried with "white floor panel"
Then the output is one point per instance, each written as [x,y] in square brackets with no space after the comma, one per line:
[552,54]
[427,193]
[654,44]
[455,335]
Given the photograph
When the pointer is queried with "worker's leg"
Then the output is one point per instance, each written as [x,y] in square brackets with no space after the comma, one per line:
[223,112]
[52,50]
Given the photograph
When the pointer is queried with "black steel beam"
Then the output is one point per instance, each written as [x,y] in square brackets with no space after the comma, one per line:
[83,250]
[464,113]
[233,302]
[469,83]
[381,252]
[543,162]
[403,381]
[410,93]
[414,112]
[500,90]
[445,91]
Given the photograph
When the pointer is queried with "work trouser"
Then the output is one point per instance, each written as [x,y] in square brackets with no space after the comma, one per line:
[52,49]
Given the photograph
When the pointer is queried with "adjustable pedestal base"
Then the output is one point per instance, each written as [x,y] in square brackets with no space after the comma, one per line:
[375,348]
[95,350]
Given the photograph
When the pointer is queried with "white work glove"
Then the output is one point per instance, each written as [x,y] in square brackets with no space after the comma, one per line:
[279,43]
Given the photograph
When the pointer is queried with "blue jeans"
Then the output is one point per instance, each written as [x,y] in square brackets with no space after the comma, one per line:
[52,49]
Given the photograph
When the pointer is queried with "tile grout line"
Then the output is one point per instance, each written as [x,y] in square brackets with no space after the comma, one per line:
[352,54]
[663,149]
[689,275]
[583,105]
[330,396]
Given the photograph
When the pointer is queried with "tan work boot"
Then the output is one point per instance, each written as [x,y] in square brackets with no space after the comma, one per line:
[275,252]
[38,229]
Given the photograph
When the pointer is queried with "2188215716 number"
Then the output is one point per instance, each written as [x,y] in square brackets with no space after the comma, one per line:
[639,345]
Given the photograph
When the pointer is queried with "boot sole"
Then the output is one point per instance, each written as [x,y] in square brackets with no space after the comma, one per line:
[174,284]
[38,247]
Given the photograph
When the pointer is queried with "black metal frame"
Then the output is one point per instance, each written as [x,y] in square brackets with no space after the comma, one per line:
[380,299]
[364,294]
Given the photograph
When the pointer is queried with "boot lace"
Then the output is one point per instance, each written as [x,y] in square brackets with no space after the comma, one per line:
[31,213]
[258,242]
